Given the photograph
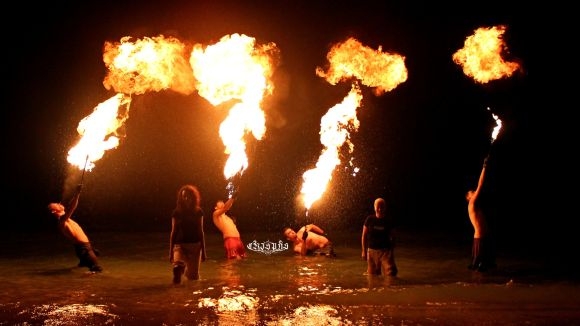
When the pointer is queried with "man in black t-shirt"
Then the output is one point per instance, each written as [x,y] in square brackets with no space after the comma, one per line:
[377,242]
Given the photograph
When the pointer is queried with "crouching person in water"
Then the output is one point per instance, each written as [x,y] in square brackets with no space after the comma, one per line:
[309,240]
[73,231]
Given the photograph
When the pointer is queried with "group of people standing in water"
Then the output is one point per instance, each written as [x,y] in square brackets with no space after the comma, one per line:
[187,238]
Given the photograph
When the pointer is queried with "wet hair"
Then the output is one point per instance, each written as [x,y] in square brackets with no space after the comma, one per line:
[185,193]
[286,228]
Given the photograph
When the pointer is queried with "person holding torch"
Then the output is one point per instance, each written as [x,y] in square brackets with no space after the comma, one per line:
[310,240]
[482,249]
[233,245]
[73,231]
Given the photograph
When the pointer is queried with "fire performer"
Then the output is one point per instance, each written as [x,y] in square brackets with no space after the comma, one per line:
[310,240]
[73,231]
[226,224]
[483,253]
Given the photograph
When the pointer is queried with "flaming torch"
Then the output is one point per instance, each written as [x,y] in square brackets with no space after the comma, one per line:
[348,60]
[481,59]
[236,68]
[497,127]
[99,132]
[135,67]
[84,169]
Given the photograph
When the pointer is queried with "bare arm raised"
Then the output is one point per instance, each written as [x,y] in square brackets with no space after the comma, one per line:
[72,204]
[222,207]
[481,178]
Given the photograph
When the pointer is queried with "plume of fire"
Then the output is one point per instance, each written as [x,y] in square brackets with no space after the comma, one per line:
[373,68]
[335,128]
[98,132]
[236,68]
[481,55]
[148,64]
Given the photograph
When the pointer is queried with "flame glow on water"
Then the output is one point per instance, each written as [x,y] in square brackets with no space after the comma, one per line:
[73,314]
[313,315]
[231,300]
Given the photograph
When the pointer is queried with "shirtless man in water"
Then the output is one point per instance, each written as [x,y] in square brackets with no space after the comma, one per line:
[232,241]
[483,256]
[73,231]
[309,240]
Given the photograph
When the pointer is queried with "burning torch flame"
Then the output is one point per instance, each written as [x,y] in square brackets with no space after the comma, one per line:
[334,132]
[481,55]
[99,132]
[372,68]
[497,127]
[150,64]
[236,68]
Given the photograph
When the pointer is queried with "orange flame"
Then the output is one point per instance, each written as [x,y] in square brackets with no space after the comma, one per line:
[334,132]
[236,68]
[373,68]
[481,55]
[99,132]
[149,64]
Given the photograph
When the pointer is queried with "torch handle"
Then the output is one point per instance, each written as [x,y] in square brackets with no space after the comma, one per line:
[84,169]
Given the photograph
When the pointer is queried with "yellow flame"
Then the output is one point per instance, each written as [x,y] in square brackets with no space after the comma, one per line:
[481,55]
[148,64]
[334,132]
[497,128]
[236,68]
[373,68]
[99,132]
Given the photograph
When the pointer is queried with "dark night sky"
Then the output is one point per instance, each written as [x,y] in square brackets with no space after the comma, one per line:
[420,145]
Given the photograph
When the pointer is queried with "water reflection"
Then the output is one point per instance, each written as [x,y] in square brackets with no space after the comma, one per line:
[233,306]
[310,275]
[229,273]
[73,314]
[312,315]
[433,288]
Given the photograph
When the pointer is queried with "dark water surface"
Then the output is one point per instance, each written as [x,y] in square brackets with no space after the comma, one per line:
[41,285]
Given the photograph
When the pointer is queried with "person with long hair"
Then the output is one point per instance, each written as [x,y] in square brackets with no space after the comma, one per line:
[187,238]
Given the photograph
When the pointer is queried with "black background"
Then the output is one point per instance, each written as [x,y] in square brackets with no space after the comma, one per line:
[421,145]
